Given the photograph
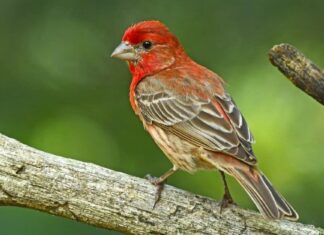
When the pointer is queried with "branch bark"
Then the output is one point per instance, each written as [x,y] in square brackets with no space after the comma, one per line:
[113,200]
[299,70]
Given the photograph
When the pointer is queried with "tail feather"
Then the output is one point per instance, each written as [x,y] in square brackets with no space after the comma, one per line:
[269,202]
[284,206]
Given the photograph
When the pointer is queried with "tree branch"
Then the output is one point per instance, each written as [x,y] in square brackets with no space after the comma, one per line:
[101,197]
[299,70]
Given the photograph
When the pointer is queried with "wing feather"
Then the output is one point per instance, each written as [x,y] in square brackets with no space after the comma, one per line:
[198,121]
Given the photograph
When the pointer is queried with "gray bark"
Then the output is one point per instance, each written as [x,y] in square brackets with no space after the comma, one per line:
[101,197]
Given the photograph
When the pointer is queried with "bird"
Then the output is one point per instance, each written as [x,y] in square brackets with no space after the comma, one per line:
[192,118]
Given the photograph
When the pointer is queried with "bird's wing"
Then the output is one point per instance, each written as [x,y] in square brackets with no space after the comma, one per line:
[215,124]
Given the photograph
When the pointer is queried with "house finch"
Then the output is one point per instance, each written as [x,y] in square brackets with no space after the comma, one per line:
[191,117]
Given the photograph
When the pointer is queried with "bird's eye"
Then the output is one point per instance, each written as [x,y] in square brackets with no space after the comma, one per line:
[147,45]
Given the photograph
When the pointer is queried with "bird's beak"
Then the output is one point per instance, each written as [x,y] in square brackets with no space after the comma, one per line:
[124,52]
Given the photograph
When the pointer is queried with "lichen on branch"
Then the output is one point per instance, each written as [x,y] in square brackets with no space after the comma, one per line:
[300,70]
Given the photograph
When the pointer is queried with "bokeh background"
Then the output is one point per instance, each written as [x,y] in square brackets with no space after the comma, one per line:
[61,92]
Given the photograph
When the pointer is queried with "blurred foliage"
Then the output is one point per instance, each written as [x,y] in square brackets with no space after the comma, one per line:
[61,92]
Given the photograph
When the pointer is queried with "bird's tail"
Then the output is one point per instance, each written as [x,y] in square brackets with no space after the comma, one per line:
[269,202]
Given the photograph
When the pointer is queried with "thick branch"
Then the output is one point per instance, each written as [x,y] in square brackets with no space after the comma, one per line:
[113,200]
[297,68]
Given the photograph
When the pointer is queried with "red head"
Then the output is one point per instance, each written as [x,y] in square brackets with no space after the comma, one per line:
[148,47]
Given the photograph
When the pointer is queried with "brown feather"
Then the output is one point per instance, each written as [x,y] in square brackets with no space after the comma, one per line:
[196,119]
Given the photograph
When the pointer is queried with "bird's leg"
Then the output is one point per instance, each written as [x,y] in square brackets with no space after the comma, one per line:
[227,198]
[159,182]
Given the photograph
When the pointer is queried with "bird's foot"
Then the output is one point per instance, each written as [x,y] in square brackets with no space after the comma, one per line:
[226,201]
[159,183]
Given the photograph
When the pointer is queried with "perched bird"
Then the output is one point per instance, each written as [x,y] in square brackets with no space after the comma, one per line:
[191,117]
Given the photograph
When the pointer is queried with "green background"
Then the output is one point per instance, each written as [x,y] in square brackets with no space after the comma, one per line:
[61,92]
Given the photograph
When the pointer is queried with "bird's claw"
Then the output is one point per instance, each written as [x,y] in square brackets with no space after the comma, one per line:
[152,179]
[225,202]
[156,181]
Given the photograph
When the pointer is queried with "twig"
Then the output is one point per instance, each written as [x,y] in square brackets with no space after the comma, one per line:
[299,70]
